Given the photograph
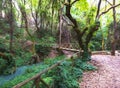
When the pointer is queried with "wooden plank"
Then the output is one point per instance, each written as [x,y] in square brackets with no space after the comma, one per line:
[101,52]
[68,49]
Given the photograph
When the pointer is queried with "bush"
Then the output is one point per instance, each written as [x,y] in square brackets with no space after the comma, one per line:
[7,64]
[65,75]
[23,59]
[2,65]
[84,65]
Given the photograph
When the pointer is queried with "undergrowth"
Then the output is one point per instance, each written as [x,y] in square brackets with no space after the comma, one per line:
[66,75]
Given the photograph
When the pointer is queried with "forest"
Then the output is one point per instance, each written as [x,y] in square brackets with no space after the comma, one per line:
[59,43]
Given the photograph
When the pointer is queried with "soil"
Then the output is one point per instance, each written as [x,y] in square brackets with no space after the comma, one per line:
[107,75]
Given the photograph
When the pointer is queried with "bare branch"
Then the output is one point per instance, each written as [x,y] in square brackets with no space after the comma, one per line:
[108,10]
[74,2]
[109,3]
[98,10]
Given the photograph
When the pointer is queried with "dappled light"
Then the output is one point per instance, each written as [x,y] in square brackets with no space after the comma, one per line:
[59,43]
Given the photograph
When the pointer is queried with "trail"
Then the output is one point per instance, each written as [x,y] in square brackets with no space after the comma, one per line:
[107,75]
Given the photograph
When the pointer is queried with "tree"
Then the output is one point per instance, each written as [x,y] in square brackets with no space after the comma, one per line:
[11,25]
[113,43]
[84,35]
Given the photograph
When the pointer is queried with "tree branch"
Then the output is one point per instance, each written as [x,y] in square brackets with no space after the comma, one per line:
[90,34]
[75,27]
[83,32]
[108,10]
[98,10]
[74,2]
[109,2]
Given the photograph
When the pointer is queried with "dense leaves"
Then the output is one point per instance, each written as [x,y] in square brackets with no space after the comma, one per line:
[34,27]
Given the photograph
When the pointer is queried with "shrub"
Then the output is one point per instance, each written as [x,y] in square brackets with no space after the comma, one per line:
[2,65]
[66,76]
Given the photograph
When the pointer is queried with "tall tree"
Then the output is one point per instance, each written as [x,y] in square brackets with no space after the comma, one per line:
[85,35]
[22,7]
[11,25]
[113,43]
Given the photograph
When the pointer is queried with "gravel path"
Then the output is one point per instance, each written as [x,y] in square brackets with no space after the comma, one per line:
[107,75]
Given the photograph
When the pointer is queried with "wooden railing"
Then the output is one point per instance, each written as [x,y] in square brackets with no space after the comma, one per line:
[37,78]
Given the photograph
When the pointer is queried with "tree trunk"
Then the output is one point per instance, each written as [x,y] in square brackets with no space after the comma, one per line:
[86,56]
[83,43]
[60,26]
[113,44]
[11,26]
[24,15]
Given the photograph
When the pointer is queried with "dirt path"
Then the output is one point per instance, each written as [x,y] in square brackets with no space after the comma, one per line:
[107,75]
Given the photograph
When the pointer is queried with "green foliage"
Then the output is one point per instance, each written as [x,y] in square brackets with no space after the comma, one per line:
[31,71]
[95,45]
[42,50]
[87,67]
[2,65]
[3,47]
[90,16]
[83,65]
[96,42]
[7,64]
[86,56]
[18,33]
[23,59]
[45,12]
[48,80]
[65,76]
[51,61]
[81,5]
[45,40]
[4,26]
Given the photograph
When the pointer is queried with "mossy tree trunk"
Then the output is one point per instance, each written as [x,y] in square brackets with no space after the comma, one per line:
[113,43]
[24,16]
[83,35]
